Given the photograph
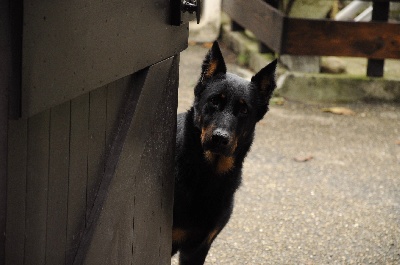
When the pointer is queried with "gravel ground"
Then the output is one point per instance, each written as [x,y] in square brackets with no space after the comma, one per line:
[318,188]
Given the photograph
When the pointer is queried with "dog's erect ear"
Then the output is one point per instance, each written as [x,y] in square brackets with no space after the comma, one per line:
[213,63]
[265,82]
[265,79]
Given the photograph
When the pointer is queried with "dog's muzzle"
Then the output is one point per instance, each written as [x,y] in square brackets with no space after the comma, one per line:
[220,137]
[219,141]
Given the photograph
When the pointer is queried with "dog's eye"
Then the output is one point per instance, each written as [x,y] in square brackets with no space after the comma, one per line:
[243,109]
[215,100]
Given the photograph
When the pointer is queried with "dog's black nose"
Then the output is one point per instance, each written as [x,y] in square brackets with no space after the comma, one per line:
[220,137]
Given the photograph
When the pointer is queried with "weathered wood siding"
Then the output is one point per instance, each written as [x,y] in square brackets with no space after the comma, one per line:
[88,97]
[92,43]
[56,163]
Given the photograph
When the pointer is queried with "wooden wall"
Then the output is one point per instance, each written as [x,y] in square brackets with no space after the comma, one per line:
[57,160]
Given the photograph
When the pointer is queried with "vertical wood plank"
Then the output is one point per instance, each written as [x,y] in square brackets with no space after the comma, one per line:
[375,67]
[117,96]
[97,143]
[16,191]
[167,179]
[3,178]
[154,185]
[78,172]
[3,148]
[58,184]
[117,92]
[37,188]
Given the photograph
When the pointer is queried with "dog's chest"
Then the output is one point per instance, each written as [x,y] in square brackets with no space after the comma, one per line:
[212,193]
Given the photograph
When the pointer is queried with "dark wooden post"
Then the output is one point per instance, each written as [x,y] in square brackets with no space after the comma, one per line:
[236,27]
[262,48]
[380,12]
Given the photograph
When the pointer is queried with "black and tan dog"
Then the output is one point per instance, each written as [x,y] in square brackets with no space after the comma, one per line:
[213,138]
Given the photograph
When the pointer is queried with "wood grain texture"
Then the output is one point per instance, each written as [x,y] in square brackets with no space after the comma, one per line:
[5,85]
[58,153]
[340,38]
[132,228]
[260,18]
[78,46]
[127,110]
[37,188]
[16,191]
[78,174]
[159,194]
[56,234]
[96,143]
[117,94]
[296,36]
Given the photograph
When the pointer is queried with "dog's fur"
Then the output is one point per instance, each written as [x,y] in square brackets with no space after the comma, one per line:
[212,140]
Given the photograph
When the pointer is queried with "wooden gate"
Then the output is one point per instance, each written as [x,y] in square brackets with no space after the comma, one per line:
[87,131]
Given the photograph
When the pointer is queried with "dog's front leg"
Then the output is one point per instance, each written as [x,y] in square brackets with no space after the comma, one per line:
[195,256]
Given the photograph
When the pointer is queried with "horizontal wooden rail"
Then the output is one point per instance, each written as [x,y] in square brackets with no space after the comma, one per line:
[294,36]
[263,20]
[341,38]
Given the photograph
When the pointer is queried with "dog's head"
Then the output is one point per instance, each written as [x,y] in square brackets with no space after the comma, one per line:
[227,107]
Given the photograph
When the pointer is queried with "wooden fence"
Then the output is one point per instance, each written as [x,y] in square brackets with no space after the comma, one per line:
[376,40]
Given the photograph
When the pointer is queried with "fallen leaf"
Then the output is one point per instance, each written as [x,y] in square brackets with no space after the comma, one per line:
[278,101]
[398,142]
[207,45]
[339,111]
[303,158]
[192,43]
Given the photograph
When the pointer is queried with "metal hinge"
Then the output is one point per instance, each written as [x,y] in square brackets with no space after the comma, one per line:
[182,11]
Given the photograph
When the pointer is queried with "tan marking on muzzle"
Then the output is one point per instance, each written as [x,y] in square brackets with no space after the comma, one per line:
[234,144]
[225,164]
[203,134]
[209,156]
[206,133]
